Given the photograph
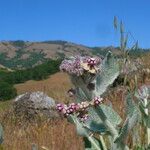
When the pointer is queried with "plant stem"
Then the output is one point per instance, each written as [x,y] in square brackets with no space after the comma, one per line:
[93,143]
[103,142]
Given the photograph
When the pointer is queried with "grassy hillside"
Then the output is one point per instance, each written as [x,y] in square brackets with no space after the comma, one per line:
[56,86]
[25,54]
[21,54]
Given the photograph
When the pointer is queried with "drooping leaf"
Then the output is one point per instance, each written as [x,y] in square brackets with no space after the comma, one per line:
[111,115]
[81,130]
[95,124]
[130,105]
[110,71]
[128,125]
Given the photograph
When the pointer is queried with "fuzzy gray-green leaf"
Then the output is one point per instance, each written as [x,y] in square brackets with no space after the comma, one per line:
[110,71]
[128,125]
[95,123]
[130,105]
[81,130]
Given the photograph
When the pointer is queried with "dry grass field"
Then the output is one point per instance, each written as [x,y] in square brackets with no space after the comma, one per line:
[51,135]
[54,134]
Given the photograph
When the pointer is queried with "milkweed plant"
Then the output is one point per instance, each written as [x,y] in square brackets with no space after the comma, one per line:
[95,121]
[100,125]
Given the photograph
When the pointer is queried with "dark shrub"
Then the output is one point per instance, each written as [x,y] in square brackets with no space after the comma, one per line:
[7,91]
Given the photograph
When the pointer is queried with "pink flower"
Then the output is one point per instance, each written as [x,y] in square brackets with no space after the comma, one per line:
[97,100]
[78,65]
[72,66]
[60,107]
[84,117]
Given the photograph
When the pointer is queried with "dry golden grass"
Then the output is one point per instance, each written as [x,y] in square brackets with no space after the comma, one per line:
[54,135]
[56,86]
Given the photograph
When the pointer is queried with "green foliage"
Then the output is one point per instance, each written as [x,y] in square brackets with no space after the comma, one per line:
[8,79]
[7,91]
[56,42]
[36,73]
[100,51]
[19,43]
[128,125]
[95,122]
[81,130]
[18,62]
[103,119]
[89,146]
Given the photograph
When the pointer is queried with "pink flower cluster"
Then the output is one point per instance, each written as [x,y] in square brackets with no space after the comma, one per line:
[93,61]
[72,66]
[84,117]
[79,108]
[75,65]
[98,100]
[67,110]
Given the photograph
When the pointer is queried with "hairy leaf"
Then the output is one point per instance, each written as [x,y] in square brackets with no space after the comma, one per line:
[81,130]
[128,125]
[96,124]
[130,105]
[110,71]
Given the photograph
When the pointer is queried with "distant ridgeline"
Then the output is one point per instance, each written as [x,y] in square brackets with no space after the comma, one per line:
[39,72]
[24,54]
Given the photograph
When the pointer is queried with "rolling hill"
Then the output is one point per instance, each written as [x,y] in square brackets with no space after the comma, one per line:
[24,54]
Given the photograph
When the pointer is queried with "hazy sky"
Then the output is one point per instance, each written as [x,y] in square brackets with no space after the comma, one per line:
[88,22]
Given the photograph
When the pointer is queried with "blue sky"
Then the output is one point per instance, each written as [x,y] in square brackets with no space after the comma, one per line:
[88,22]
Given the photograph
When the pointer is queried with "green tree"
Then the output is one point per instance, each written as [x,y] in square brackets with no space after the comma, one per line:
[7,91]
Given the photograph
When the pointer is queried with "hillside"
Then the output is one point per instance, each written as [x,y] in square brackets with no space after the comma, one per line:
[22,54]
[25,54]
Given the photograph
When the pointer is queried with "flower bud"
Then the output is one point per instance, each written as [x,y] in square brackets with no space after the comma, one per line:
[97,100]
